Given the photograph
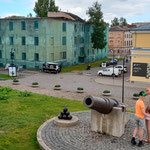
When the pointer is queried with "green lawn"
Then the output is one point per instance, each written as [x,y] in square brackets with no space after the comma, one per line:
[20,117]
[4,76]
[81,67]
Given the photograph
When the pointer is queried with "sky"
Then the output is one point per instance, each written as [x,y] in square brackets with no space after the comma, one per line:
[132,10]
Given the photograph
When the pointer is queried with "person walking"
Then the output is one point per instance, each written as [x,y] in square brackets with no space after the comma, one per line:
[147,119]
[139,119]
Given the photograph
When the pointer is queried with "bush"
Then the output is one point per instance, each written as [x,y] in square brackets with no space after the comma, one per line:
[106,91]
[15,80]
[3,97]
[5,90]
[35,83]
[79,88]
[25,94]
[57,86]
[136,95]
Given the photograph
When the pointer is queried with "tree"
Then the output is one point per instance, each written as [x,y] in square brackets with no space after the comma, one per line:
[29,15]
[99,26]
[123,21]
[115,22]
[43,6]
[52,6]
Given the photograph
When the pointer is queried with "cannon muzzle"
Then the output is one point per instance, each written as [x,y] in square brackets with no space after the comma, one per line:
[102,105]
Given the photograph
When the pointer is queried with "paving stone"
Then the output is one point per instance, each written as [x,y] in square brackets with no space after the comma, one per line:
[80,137]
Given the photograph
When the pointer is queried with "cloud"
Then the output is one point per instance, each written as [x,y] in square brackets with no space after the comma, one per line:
[110,8]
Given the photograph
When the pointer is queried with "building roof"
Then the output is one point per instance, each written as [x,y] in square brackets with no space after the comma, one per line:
[145,27]
[51,15]
[64,15]
[117,28]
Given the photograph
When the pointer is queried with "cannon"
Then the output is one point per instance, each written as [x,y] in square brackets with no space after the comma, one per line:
[102,105]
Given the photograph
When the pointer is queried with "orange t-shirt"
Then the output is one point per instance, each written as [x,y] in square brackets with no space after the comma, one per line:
[139,106]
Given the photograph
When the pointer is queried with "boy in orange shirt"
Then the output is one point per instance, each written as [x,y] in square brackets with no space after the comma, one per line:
[139,119]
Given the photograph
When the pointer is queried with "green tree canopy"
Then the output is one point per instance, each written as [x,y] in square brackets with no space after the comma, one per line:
[96,18]
[43,6]
[116,21]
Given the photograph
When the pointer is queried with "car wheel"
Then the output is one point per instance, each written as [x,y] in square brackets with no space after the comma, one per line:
[100,74]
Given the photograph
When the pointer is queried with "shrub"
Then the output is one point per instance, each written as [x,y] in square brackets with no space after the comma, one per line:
[35,83]
[79,88]
[136,95]
[15,80]
[106,91]
[3,97]
[25,94]
[57,86]
[5,89]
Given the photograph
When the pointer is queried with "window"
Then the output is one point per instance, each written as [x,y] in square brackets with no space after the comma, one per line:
[36,57]
[82,53]
[52,56]
[52,41]
[23,40]
[63,40]
[10,26]
[0,26]
[88,52]
[0,41]
[75,28]
[0,54]
[36,40]
[63,55]
[75,40]
[64,27]
[23,56]
[36,25]
[23,25]
[11,40]
[81,40]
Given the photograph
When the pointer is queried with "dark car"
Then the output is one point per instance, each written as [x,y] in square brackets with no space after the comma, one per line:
[51,67]
[113,62]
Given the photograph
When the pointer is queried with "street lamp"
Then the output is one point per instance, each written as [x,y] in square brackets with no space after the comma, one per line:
[123,80]
[112,51]
[12,55]
[12,71]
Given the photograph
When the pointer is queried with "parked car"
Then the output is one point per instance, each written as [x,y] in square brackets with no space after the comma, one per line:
[115,61]
[104,64]
[51,67]
[121,68]
[109,72]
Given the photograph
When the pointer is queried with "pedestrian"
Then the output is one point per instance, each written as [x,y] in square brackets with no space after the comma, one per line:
[139,119]
[147,119]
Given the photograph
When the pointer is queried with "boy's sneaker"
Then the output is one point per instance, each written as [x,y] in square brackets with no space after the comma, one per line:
[140,144]
[133,142]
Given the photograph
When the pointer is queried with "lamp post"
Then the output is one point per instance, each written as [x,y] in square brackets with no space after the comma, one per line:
[112,51]
[123,81]
[12,58]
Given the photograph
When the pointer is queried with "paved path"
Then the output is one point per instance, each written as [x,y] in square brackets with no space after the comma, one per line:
[80,137]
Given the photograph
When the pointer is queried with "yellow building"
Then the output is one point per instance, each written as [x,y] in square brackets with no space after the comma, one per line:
[140,55]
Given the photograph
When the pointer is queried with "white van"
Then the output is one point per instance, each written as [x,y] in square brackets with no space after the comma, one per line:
[109,72]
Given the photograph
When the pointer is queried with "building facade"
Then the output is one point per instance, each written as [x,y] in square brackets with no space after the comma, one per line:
[51,39]
[120,41]
[140,55]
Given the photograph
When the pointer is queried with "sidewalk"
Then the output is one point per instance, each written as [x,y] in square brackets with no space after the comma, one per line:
[118,82]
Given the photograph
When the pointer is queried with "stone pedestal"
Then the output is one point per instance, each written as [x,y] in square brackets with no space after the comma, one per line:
[110,124]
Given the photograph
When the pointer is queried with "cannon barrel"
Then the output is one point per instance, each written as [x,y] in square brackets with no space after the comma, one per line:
[102,105]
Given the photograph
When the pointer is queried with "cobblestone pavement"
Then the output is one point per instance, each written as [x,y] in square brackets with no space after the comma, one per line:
[80,137]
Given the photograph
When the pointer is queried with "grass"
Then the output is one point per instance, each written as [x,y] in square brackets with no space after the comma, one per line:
[5,76]
[81,67]
[20,117]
